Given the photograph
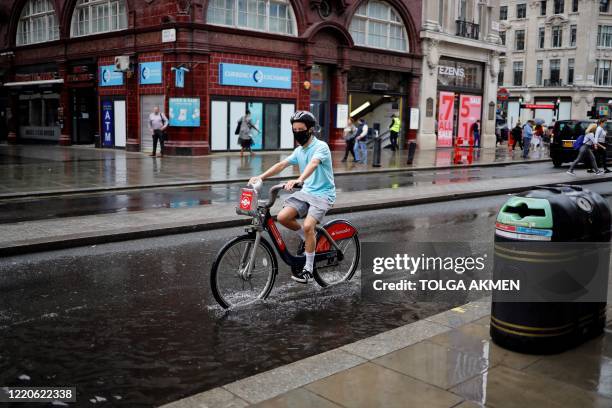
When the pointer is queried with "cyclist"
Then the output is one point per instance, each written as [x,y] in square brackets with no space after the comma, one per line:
[318,193]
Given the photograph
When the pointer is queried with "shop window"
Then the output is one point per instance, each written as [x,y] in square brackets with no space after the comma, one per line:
[378,25]
[37,23]
[274,16]
[98,16]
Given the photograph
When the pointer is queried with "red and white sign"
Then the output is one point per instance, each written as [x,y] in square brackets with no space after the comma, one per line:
[469,113]
[446,107]
[246,199]
[534,106]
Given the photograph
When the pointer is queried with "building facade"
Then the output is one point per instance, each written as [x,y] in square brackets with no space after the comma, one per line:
[204,62]
[558,51]
[461,48]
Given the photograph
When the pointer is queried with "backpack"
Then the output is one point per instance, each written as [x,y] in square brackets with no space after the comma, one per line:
[578,142]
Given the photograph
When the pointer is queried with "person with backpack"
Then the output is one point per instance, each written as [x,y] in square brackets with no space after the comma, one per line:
[361,150]
[584,144]
[158,122]
[243,130]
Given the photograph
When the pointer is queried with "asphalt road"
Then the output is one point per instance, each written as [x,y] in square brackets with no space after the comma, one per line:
[67,205]
[134,323]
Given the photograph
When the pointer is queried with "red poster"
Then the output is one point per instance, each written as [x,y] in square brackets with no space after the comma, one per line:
[445,119]
[469,113]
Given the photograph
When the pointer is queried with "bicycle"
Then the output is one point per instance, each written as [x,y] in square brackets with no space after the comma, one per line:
[245,268]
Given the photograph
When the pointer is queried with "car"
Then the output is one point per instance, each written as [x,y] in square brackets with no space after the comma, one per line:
[564,133]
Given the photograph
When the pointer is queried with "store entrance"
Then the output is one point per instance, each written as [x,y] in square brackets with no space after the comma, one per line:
[84,115]
[319,98]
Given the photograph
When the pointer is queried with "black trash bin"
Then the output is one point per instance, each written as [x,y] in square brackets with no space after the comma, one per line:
[547,215]
[411,151]
[376,151]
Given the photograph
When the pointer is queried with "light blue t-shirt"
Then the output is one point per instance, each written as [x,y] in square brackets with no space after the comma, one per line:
[321,182]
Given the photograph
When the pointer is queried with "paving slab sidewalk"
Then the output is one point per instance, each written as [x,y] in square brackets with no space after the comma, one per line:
[446,360]
[45,170]
[33,236]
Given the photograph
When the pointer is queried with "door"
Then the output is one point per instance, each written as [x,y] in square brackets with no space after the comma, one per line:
[319,110]
[237,110]
[286,134]
[147,103]
[219,125]
[83,115]
[256,109]
[271,119]
[120,123]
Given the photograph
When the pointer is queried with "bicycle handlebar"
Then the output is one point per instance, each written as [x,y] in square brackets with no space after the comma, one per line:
[274,190]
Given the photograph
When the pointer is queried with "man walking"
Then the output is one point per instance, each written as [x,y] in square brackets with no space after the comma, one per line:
[517,136]
[601,152]
[476,132]
[394,129]
[527,135]
[362,148]
[158,122]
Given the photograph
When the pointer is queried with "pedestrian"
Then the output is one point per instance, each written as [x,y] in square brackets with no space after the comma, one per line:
[158,122]
[517,136]
[585,153]
[361,149]
[350,132]
[536,140]
[601,153]
[476,133]
[243,130]
[394,129]
[498,136]
[527,135]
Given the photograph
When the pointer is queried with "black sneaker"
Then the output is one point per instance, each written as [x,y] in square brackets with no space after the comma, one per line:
[304,277]
[607,171]
[590,171]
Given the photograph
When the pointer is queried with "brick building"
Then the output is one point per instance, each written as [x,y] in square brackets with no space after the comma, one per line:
[205,63]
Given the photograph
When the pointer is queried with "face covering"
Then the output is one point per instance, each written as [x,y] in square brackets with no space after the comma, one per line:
[301,136]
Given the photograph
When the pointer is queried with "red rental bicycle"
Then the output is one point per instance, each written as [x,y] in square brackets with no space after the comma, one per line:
[245,268]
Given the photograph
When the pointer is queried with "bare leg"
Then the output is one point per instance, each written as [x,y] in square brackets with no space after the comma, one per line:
[309,233]
[287,217]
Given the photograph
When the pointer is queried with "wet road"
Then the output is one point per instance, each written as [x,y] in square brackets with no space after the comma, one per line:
[134,324]
[16,210]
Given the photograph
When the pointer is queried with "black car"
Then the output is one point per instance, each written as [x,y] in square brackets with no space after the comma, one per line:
[565,132]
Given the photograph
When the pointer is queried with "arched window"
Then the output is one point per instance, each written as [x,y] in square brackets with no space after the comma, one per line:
[98,16]
[377,24]
[37,23]
[274,16]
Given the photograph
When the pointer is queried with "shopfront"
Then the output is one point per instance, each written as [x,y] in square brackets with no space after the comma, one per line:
[81,80]
[459,102]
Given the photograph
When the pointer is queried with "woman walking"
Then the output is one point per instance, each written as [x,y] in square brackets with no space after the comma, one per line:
[585,154]
[350,131]
[244,133]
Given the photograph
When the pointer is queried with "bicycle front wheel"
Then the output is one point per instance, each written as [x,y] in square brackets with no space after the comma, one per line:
[231,282]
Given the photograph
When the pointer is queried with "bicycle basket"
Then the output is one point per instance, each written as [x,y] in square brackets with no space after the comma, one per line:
[248,201]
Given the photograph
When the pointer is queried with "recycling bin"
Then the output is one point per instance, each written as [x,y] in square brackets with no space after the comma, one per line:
[528,232]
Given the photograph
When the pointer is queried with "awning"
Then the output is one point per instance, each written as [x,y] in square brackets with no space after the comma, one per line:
[43,82]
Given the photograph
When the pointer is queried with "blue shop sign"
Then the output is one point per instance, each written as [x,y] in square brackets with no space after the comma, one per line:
[256,76]
[108,123]
[184,112]
[150,73]
[108,76]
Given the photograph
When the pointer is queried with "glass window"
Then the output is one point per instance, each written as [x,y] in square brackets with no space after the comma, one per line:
[275,16]
[517,69]
[604,36]
[604,6]
[377,24]
[98,16]
[557,37]
[37,23]
[570,71]
[543,8]
[602,73]
[541,37]
[539,72]
[573,33]
[559,6]
[574,6]
[500,75]
[519,40]
[502,35]
[503,13]
[555,72]
[521,10]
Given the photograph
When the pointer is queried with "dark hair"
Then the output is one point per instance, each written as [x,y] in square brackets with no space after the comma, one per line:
[248,112]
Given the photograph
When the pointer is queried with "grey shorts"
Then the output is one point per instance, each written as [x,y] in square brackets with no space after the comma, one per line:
[308,204]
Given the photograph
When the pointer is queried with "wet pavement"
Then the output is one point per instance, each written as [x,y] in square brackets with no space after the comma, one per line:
[69,205]
[37,169]
[134,324]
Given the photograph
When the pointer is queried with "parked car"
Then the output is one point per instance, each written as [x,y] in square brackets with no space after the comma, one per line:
[565,133]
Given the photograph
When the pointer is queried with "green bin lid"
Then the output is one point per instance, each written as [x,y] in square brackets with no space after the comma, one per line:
[526,212]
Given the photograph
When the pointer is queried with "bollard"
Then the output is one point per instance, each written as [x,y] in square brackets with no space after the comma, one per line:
[377,150]
[544,217]
[411,152]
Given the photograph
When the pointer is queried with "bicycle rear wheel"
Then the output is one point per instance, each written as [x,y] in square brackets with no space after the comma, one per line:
[230,284]
[333,271]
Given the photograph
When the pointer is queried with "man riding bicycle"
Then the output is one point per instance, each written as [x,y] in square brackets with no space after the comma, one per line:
[318,193]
